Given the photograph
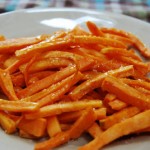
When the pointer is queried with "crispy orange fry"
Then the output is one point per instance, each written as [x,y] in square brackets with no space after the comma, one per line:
[96,82]
[82,124]
[126,93]
[7,123]
[35,127]
[95,130]
[3,58]
[69,117]
[42,46]
[56,95]
[26,135]
[46,93]
[44,83]
[98,40]
[6,85]
[94,29]
[9,61]
[53,126]
[137,43]
[18,79]
[117,104]
[59,108]
[18,106]
[49,63]
[124,40]
[126,127]
[137,83]
[100,113]
[118,117]
[117,52]
[11,45]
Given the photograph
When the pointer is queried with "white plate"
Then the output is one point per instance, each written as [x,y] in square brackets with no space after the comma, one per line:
[34,22]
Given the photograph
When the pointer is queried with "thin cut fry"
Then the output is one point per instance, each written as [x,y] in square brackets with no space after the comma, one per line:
[18,106]
[35,127]
[126,93]
[126,127]
[6,85]
[7,123]
[118,117]
[59,108]
[139,45]
[82,124]
[41,47]
[117,104]
[44,83]
[53,126]
[11,45]
[94,29]
[96,82]
[95,130]
[98,40]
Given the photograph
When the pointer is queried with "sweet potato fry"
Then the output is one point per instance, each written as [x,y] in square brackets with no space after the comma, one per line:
[124,40]
[89,74]
[15,66]
[96,82]
[18,106]
[6,85]
[69,117]
[18,79]
[126,127]
[137,42]
[49,63]
[58,108]
[9,61]
[39,75]
[59,139]
[100,113]
[65,127]
[117,52]
[78,30]
[3,58]
[46,82]
[42,46]
[53,126]
[26,135]
[118,117]
[57,95]
[95,130]
[117,104]
[98,40]
[82,124]
[143,90]
[94,29]
[35,127]
[7,123]
[11,45]
[59,88]
[140,67]
[137,83]
[126,93]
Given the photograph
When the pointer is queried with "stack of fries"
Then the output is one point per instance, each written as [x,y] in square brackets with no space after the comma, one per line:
[73,82]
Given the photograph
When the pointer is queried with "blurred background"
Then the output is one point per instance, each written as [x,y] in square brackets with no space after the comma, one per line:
[135,8]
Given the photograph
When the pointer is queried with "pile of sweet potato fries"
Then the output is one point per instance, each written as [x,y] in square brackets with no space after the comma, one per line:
[60,86]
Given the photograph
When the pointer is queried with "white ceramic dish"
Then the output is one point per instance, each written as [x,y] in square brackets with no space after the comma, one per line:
[34,22]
